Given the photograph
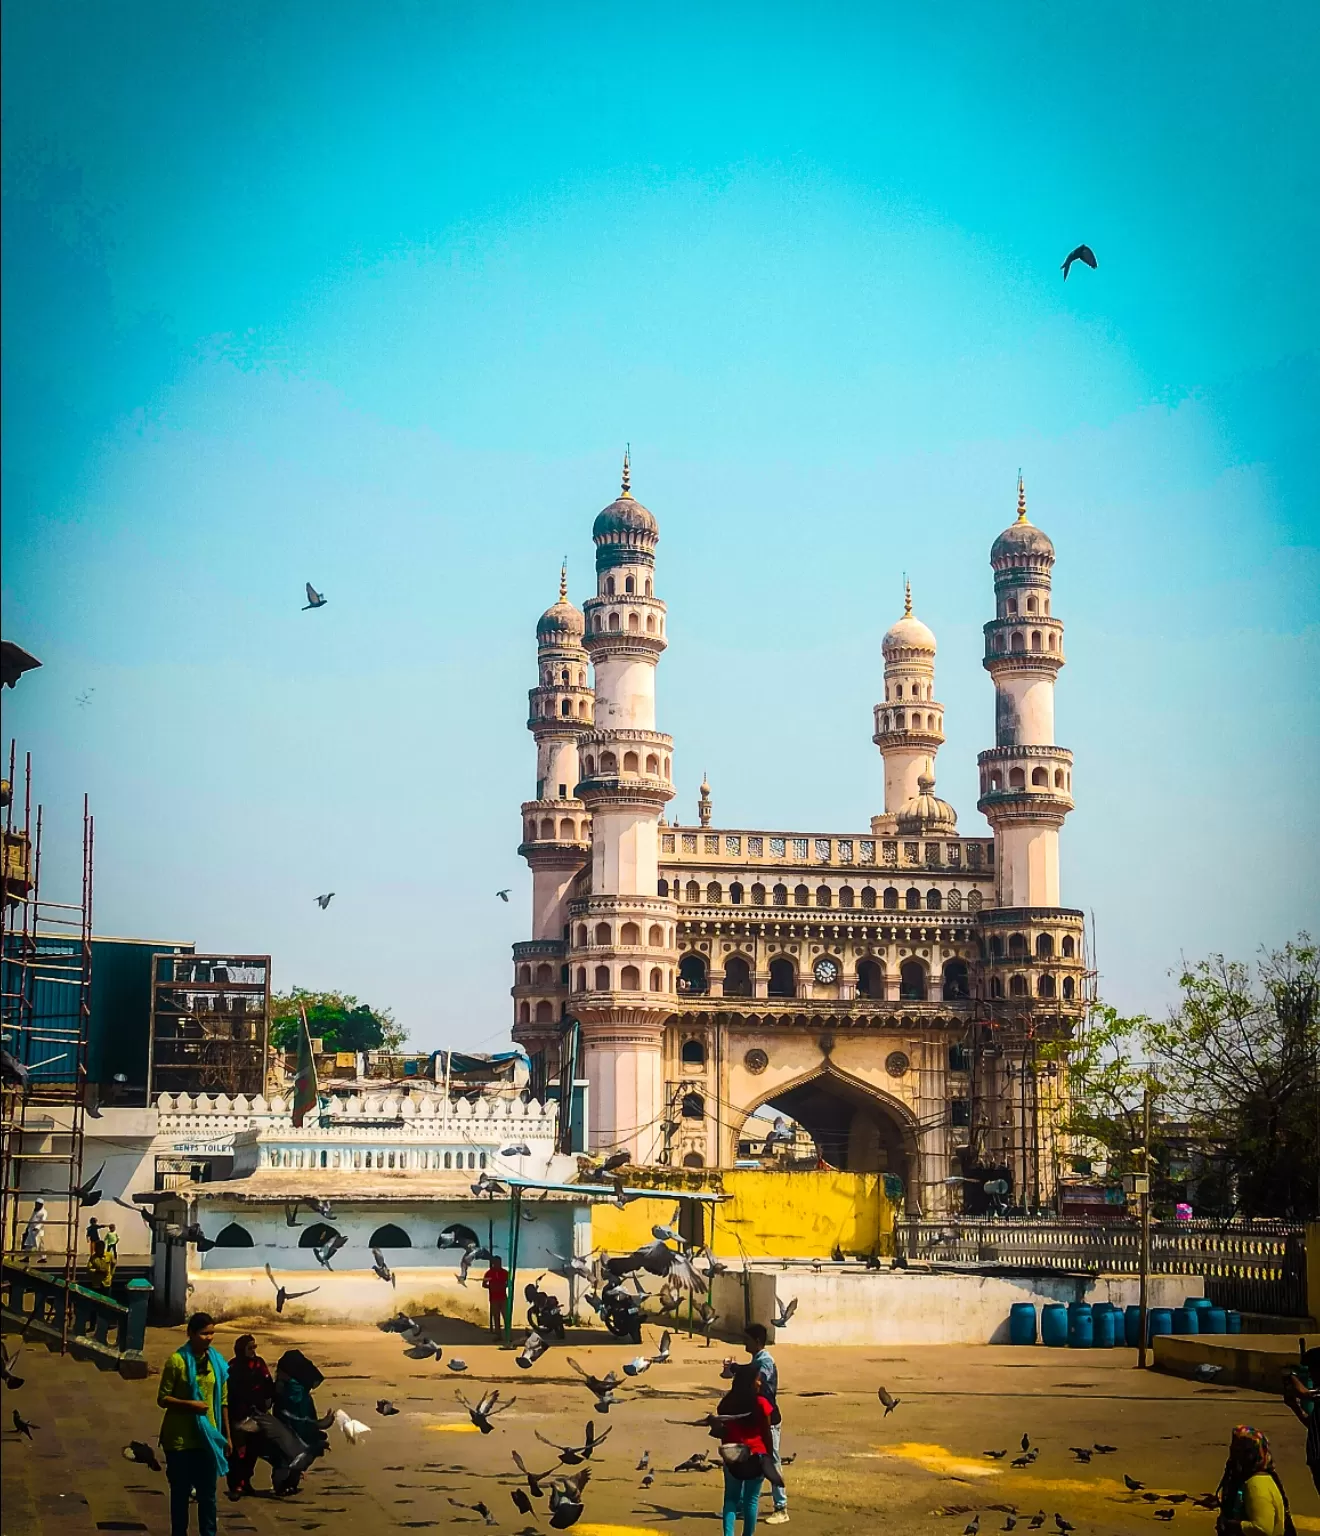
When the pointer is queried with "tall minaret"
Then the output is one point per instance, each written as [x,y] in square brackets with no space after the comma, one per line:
[556,824]
[623,951]
[1026,780]
[909,725]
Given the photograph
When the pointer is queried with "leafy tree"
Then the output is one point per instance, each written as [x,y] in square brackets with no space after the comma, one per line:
[338,1019]
[1106,1085]
[1239,1060]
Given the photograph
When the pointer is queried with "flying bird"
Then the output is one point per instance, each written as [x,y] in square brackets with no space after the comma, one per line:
[784,1311]
[566,1499]
[488,1405]
[22,1425]
[537,1482]
[87,1192]
[7,1364]
[521,1502]
[637,1366]
[602,1386]
[575,1455]
[13,1072]
[479,1507]
[890,1403]
[317,599]
[351,1429]
[140,1451]
[1084,254]
[381,1268]
[531,1351]
[324,901]
[519,1149]
[326,1251]
[504,894]
[281,1295]
[1103,1450]
[663,1355]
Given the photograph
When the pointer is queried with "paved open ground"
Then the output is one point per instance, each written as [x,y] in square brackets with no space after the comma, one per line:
[855,1469]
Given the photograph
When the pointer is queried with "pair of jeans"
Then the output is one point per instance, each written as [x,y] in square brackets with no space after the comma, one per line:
[740,1496]
[778,1493]
[190,1471]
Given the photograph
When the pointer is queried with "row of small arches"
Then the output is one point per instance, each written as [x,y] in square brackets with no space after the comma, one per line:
[1017,641]
[630,935]
[915,691]
[1046,987]
[1017,779]
[630,979]
[378,1158]
[912,900]
[1011,606]
[902,720]
[634,625]
[545,709]
[1018,949]
[913,978]
[567,832]
[388,1236]
[565,677]
[629,586]
[609,763]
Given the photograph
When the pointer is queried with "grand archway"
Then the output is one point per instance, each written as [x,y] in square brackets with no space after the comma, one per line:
[855,1129]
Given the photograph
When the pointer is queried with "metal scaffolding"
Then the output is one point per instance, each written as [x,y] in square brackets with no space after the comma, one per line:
[210,1024]
[45,1012]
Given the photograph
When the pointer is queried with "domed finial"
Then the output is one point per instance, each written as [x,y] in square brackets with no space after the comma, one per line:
[1022,499]
[563,581]
[907,598]
[627,472]
[925,783]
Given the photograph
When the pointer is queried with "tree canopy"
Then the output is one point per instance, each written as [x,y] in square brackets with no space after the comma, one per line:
[339,1020]
[1234,1068]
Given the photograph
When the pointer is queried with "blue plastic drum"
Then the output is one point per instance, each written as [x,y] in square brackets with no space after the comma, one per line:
[1054,1324]
[1081,1333]
[1158,1320]
[1022,1322]
[1234,1321]
[1212,1319]
[1104,1327]
[1186,1320]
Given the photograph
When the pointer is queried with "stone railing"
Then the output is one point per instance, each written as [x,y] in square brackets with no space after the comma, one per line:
[94,1327]
[423,1114]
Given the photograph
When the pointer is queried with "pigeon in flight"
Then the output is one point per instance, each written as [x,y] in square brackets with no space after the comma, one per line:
[519,1149]
[317,599]
[13,1072]
[324,901]
[7,1364]
[536,1481]
[454,1363]
[327,1250]
[566,1499]
[521,1502]
[1084,254]
[281,1295]
[602,1386]
[488,1405]
[784,1311]
[22,1425]
[381,1268]
[575,1455]
[140,1451]
[531,1351]
[479,1508]
[504,894]
[87,1192]
[890,1402]
[662,1355]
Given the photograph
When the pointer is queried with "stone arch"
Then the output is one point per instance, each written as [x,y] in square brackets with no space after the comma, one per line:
[863,1126]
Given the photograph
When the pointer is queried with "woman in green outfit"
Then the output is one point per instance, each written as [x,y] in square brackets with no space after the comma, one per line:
[194,1434]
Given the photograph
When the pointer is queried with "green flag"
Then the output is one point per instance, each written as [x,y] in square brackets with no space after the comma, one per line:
[304,1086]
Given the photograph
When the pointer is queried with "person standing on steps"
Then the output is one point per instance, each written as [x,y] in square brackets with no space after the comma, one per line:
[194,1434]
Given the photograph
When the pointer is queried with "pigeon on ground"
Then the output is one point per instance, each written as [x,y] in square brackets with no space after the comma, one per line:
[1010,1523]
[488,1405]
[1207,1372]
[645,1462]
[140,1451]
[352,1429]
[784,1311]
[1164,1514]
[1036,1521]
[519,1149]
[381,1268]
[1022,1461]
[1063,1525]
[1084,254]
[504,894]
[315,599]
[454,1363]
[995,1455]
[699,1462]
[889,1402]
[1132,1485]
[531,1351]
[7,1364]
[385,1408]
[479,1508]
[1026,1442]
[972,1526]
[1082,1452]
[326,1251]
[324,901]
[281,1295]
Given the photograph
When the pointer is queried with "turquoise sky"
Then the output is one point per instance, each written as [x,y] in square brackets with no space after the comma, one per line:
[373,295]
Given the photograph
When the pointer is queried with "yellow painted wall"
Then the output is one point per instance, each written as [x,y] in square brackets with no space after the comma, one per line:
[765,1215]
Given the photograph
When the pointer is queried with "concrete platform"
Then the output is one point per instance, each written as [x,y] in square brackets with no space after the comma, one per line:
[1255,1360]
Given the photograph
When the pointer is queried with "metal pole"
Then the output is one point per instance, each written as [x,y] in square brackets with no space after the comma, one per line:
[515,1227]
[1144,1197]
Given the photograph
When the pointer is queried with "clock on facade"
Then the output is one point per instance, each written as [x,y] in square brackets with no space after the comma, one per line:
[826,971]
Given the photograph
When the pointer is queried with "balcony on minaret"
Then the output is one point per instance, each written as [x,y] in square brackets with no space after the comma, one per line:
[1029,781]
[1030,641]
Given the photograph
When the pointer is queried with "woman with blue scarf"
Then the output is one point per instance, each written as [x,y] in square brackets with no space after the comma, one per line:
[194,1433]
